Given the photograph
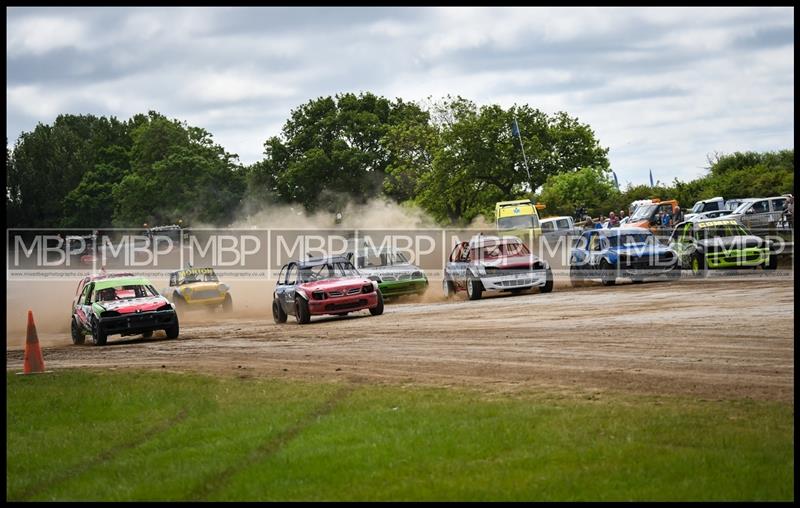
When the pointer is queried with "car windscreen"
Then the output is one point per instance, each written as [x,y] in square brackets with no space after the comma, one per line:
[496,250]
[370,258]
[625,239]
[517,222]
[198,275]
[644,212]
[741,208]
[324,271]
[124,292]
[723,230]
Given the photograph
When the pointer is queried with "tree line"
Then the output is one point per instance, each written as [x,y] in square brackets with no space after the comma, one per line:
[452,158]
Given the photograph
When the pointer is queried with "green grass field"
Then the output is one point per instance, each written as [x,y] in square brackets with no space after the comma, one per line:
[143,435]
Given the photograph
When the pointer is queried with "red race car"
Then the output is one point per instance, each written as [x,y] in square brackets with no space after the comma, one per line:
[323,286]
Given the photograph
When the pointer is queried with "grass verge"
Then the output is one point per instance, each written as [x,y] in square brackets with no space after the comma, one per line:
[143,435]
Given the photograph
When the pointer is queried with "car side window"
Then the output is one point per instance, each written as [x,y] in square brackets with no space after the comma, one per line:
[291,275]
[548,227]
[582,242]
[563,224]
[778,205]
[87,294]
[173,279]
[594,242]
[282,275]
[455,255]
[760,206]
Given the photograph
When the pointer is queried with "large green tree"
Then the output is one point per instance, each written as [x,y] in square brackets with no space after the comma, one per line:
[331,151]
[478,161]
[50,161]
[588,187]
[177,173]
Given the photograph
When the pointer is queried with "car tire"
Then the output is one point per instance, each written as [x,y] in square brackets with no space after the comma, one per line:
[607,274]
[77,334]
[378,309]
[301,312]
[147,335]
[772,263]
[698,265]
[98,336]
[548,285]
[474,288]
[227,305]
[448,288]
[675,273]
[278,314]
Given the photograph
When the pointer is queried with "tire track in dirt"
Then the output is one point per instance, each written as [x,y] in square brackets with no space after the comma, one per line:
[103,457]
[270,447]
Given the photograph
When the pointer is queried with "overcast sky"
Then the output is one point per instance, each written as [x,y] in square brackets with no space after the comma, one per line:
[661,87]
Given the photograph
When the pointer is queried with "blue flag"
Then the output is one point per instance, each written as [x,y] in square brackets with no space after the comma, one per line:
[616,182]
[515,129]
[651,178]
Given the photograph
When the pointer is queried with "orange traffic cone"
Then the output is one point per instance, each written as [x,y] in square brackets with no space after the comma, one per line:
[33,354]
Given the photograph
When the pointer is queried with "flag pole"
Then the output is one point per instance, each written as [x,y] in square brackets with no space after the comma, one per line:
[524,158]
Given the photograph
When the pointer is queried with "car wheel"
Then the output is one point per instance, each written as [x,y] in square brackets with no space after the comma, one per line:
[172,331]
[77,334]
[772,262]
[548,285]
[147,335]
[698,265]
[227,305]
[378,309]
[278,314]
[474,289]
[301,312]
[448,288]
[607,274]
[98,336]
[675,273]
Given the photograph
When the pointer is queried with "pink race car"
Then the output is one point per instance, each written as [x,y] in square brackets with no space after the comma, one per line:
[323,286]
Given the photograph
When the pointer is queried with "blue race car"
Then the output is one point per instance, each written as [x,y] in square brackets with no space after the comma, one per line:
[628,252]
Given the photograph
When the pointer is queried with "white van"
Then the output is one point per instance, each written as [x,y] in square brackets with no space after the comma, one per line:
[558,226]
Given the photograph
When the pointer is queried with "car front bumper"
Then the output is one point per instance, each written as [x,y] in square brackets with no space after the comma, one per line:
[403,287]
[334,305]
[737,258]
[135,322]
[517,280]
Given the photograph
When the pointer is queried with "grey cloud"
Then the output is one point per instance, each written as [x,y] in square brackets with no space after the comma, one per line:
[287,56]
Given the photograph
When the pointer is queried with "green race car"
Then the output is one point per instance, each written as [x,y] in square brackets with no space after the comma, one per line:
[720,243]
[120,305]
[395,275]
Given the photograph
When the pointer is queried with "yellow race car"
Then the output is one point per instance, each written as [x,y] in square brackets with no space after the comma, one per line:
[198,287]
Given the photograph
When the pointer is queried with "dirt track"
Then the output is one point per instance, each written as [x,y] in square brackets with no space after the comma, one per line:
[712,339]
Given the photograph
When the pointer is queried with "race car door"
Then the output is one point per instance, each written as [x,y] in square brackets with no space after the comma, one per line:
[456,268]
[286,288]
[83,310]
[682,243]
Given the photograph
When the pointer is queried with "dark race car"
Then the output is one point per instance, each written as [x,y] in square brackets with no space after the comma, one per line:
[627,252]
[120,305]
[323,286]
